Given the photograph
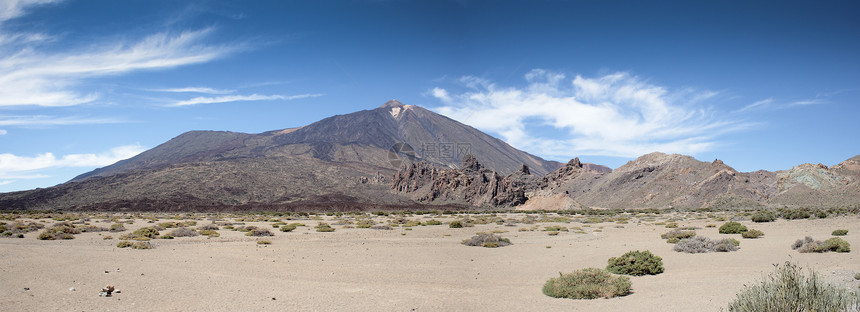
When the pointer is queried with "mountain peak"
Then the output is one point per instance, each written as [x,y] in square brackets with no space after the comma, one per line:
[392,103]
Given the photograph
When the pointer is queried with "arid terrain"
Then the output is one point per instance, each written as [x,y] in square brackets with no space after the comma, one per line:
[409,267]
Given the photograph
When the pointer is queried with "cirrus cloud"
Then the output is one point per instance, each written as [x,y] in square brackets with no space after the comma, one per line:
[239,98]
[612,115]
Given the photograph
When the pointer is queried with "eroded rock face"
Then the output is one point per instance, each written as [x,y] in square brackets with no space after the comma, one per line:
[471,184]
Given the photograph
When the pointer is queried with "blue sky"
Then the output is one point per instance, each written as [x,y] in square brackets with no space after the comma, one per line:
[760,85]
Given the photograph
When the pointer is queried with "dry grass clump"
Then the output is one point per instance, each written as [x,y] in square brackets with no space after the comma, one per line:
[677,235]
[381,227]
[184,232]
[487,240]
[809,244]
[264,242]
[589,283]
[117,227]
[788,289]
[145,233]
[141,245]
[839,233]
[364,223]
[91,228]
[700,244]
[210,233]
[124,244]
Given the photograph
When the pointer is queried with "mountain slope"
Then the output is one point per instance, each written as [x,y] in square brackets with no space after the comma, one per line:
[341,160]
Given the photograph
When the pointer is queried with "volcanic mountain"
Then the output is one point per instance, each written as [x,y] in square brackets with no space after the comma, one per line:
[340,162]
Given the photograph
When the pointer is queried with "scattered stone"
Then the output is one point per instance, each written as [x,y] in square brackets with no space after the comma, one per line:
[71,289]
[107,291]
[26,288]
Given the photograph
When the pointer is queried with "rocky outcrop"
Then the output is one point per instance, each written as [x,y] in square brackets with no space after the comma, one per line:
[470,184]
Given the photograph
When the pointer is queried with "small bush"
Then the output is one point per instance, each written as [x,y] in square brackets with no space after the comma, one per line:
[264,242]
[259,232]
[487,240]
[166,236]
[857,276]
[794,214]
[732,228]
[124,244]
[676,235]
[809,244]
[636,263]
[589,283]
[149,232]
[210,233]
[699,244]
[211,226]
[753,233]
[324,227]
[184,232]
[788,289]
[840,233]
[45,235]
[671,225]
[455,224]
[433,222]
[763,216]
[555,228]
[141,245]
[287,228]
[364,224]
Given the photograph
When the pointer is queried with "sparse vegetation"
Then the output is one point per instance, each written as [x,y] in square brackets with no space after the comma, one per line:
[788,289]
[433,222]
[210,233]
[259,232]
[839,232]
[732,227]
[456,224]
[700,244]
[487,240]
[636,263]
[589,283]
[809,244]
[117,227]
[287,227]
[211,226]
[124,244]
[752,233]
[264,242]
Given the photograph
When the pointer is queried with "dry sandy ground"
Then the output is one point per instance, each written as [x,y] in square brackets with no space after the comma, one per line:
[379,270]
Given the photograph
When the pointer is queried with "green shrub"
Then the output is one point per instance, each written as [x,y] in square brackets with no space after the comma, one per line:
[487,240]
[636,263]
[752,233]
[676,235]
[364,224]
[857,276]
[149,232]
[809,244]
[166,236]
[793,214]
[45,235]
[732,228]
[840,233]
[763,216]
[124,244]
[788,289]
[288,228]
[210,233]
[589,283]
[264,242]
[455,224]
[433,222]
[324,227]
[259,232]
[671,225]
[141,245]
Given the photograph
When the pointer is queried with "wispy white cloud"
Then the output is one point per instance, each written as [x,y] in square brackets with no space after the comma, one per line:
[240,98]
[42,120]
[3,132]
[21,167]
[756,104]
[613,115]
[808,102]
[31,75]
[196,90]
[10,9]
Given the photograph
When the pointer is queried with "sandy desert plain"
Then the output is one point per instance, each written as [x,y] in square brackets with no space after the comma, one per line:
[409,267]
